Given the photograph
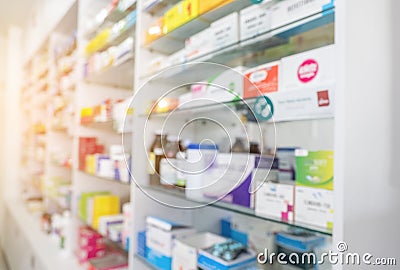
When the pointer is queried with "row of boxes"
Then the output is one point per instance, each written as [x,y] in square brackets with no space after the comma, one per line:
[308,70]
[249,23]
[231,177]
[115,165]
[181,13]
[173,246]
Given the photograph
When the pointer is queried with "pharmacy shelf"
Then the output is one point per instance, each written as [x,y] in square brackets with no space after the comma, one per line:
[195,70]
[108,179]
[154,191]
[45,248]
[114,16]
[119,75]
[118,39]
[216,109]
[175,40]
[140,263]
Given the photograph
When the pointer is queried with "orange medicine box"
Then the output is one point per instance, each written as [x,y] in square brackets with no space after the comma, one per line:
[155,31]
[261,80]
[208,5]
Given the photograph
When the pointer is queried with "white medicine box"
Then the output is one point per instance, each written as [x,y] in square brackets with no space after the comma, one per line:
[225,32]
[185,251]
[275,200]
[199,44]
[160,235]
[254,20]
[314,206]
[308,69]
[227,86]
[289,11]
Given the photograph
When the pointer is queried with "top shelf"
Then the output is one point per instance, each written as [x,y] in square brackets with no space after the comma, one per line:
[175,40]
[318,26]
[114,15]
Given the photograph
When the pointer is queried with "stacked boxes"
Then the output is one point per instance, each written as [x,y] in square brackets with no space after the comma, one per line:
[314,188]
[90,245]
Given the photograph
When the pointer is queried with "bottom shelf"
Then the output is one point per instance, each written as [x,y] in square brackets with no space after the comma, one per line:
[44,247]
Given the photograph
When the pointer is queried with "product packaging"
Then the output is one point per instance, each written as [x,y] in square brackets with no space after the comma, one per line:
[286,12]
[286,165]
[199,44]
[185,251]
[314,169]
[83,203]
[155,31]
[106,221]
[102,205]
[225,31]
[275,200]
[262,80]
[227,86]
[208,5]
[314,206]
[307,70]
[254,20]
[160,235]
[181,13]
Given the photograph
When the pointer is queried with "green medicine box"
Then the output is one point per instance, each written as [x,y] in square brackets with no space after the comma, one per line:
[314,169]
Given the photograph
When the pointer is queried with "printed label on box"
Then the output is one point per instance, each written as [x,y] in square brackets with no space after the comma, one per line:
[314,206]
[261,80]
[314,169]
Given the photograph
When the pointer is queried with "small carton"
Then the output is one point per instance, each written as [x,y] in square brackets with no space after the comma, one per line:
[314,206]
[261,80]
[185,251]
[160,235]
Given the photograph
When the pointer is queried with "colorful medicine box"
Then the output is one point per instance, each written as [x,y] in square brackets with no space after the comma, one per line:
[261,80]
[314,169]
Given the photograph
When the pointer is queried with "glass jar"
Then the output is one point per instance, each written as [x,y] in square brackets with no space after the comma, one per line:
[155,156]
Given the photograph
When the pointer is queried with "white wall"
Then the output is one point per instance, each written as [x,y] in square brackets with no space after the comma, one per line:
[367,185]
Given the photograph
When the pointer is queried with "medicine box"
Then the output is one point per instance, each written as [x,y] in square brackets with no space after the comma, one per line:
[308,69]
[199,44]
[289,11]
[229,179]
[225,32]
[254,20]
[227,86]
[286,164]
[208,5]
[181,13]
[314,169]
[314,206]
[261,80]
[160,235]
[185,251]
[275,200]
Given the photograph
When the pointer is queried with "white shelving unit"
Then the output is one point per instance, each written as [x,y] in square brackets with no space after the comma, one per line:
[132,77]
